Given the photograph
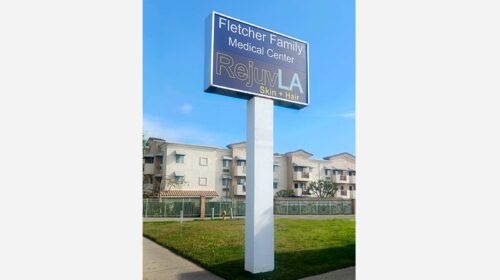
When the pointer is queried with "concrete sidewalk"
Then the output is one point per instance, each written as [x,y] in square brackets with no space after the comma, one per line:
[161,264]
[341,274]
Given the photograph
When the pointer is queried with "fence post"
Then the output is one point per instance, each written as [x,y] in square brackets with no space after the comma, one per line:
[182,215]
[317,207]
[146,207]
[330,203]
[165,211]
[212,213]
[220,208]
[182,208]
[353,205]
[287,203]
[231,213]
[300,208]
[202,207]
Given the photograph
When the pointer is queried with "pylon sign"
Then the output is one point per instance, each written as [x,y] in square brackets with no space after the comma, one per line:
[245,60]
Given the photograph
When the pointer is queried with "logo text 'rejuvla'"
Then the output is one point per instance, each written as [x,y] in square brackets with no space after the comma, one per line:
[252,74]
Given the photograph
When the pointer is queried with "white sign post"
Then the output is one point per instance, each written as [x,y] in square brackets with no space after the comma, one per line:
[267,68]
[259,224]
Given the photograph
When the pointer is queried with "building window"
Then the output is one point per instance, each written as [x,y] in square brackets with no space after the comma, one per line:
[298,168]
[241,162]
[203,161]
[149,160]
[326,172]
[179,158]
[295,186]
[225,163]
[352,173]
[350,188]
[203,181]
[275,185]
[241,181]
[341,188]
[179,179]
[275,167]
[225,182]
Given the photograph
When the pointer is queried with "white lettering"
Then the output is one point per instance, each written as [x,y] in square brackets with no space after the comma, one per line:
[294,83]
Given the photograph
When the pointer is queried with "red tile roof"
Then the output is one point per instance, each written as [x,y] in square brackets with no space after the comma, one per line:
[187,193]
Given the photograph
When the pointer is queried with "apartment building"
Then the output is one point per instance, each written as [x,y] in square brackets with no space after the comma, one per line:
[185,170]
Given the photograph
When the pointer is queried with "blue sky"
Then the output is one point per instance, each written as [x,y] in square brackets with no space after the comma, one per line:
[176,108]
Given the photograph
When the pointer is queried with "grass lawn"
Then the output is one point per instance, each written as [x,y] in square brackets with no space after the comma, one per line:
[302,247]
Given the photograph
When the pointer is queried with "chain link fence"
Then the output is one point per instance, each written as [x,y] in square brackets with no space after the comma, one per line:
[171,207]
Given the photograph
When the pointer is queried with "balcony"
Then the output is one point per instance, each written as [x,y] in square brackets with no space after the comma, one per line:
[149,169]
[297,192]
[352,179]
[352,194]
[300,176]
[346,194]
[240,171]
[240,190]
[147,187]
[339,178]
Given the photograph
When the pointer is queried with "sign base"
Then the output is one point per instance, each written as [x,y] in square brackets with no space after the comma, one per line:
[259,222]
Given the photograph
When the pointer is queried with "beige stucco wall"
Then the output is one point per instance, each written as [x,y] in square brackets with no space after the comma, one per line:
[191,167]
[213,171]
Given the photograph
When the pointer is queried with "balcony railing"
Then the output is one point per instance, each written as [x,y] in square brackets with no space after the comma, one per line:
[301,176]
[240,189]
[149,169]
[240,171]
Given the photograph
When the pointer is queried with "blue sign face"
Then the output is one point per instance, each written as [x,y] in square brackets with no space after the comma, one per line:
[244,60]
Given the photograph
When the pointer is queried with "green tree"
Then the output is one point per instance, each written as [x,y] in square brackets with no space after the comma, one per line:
[323,188]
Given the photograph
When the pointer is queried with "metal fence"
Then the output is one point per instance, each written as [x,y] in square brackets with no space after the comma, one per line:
[236,206]
[171,207]
[313,207]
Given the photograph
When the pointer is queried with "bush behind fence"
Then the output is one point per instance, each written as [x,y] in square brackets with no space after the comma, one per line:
[171,207]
